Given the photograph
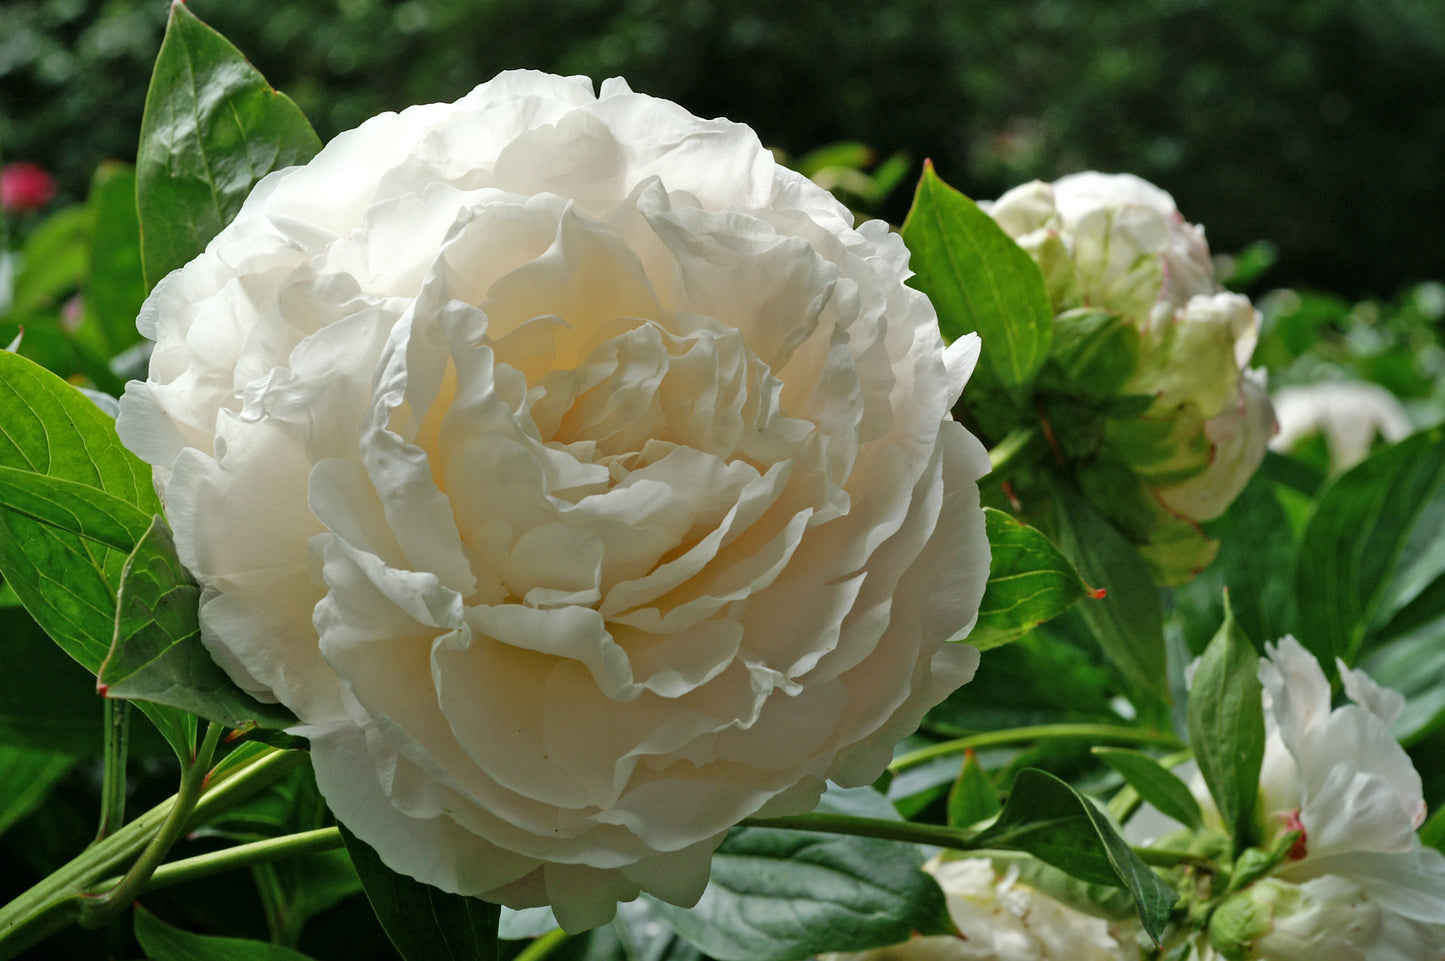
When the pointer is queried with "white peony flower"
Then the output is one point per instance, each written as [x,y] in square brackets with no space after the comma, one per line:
[1358,884]
[582,480]
[1341,777]
[1001,919]
[1350,415]
[1327,918]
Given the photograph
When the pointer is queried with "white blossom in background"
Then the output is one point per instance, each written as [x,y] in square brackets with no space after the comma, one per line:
[1358,885]
[999,918]
[1351,415]
[582,479]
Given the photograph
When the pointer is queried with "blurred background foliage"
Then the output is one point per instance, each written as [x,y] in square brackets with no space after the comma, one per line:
[1317,124]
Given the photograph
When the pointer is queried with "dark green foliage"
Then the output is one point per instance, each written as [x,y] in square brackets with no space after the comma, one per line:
[1304,123]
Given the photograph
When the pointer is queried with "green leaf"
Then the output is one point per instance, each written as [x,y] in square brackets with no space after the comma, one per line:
[425,923]
[53,262]
[46,699]
[1371,546]
[978,280]
[1432,832]
[779,895]
[972,798]
[66,581]
[72,508]
[1155,784]
[1127,621]
[116,286]
[157,655]
[1029,582]
[161,942]
[1226,728]
[1094,355]
[1056,824]
[213,127]
[26,779]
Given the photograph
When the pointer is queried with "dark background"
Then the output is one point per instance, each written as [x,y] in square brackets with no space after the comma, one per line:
[1316,124]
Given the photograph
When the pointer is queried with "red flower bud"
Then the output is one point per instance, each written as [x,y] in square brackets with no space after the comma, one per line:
[24,186]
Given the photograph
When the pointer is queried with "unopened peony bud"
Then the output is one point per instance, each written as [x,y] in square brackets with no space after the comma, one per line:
[1116,245]
[25,187]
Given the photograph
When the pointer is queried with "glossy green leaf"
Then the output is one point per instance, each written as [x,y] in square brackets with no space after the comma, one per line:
[1094,355]
[1056,824]
[972,798]
[1371,546]
[72,508]
[115,286]
[161,942]
[1432,832]
[1030,581]
[67,581]
[978,280]
[50,428]
[1226,728]
[157,655]
[1155,784]
[27,777]
[779,895]
[1127,621]
[213,127]
[425,923]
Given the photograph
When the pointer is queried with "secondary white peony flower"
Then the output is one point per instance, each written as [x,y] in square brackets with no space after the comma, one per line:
[1118,243]
[1000,918]
[1323,919]
[583,480]
[1350,415]
[1358,883]
[1341,777]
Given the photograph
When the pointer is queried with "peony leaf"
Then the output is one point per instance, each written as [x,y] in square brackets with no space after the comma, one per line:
[1127,621]
[161,942]
[1155,784]
[156,654]
[978,280]
[972,798]
[1029,582]
[213,127]
[1056,824]
[67,581]
[116,286]
[27,776]
[425,923]
[46,700]
[780,895]
[1432,832]
[1371,550]
[1226,727]
[74,508]
[1095,352]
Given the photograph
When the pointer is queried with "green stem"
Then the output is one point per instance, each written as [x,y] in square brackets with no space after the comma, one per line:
[96,912]
[543,946]
[935,835]
[1042,732]
[1013,448]
[112,789]
[244,856]
[51,904]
